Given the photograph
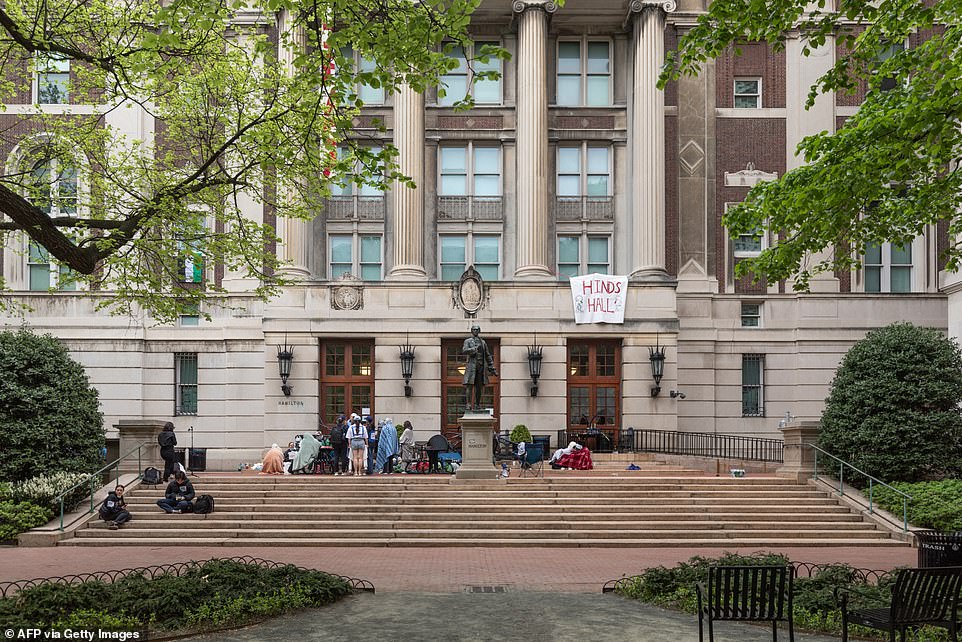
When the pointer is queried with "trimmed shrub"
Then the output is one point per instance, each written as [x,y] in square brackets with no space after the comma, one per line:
[934,504]
[49,411]
[520,433]
[893,409]
[17,517]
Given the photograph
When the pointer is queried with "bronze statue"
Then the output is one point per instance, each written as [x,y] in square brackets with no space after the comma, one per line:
[479,365]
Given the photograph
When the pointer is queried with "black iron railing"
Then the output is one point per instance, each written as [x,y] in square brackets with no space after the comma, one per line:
[179,568]
[671,442]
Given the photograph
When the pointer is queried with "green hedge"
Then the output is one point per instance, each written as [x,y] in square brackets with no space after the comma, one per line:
[934,504]
[814,598]
[17,517]
[208,596]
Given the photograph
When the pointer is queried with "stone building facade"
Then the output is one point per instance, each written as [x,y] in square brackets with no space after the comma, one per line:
[572,163]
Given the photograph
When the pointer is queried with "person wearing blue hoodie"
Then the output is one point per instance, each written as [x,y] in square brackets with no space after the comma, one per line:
[387,447]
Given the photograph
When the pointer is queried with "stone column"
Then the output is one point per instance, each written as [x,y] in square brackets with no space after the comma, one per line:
[648,139]
[407,211]
[294,233]
[532,167]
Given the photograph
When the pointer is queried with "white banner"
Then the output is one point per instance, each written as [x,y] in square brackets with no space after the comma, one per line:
[599,298]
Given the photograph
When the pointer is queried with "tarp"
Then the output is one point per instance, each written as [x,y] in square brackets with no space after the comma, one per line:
[307,454]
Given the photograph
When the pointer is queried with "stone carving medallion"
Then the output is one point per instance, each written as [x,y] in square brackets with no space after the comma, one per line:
[469,292]
[347,293]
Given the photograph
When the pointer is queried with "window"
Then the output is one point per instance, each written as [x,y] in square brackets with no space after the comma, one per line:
[44,274]
[887,51]
[347,378]
[53,80]
[470,171]
[747,245]
[584,171]
[52,186]
[367,250]
[190,316]
[583,254]
[584,79]
[185,383]
[190,264]
[345,187]
[457,251]
[888,268]
[748,93]
[452,384]
[594,388]
[366,93]
[753,402]
[457,83]
[751,315]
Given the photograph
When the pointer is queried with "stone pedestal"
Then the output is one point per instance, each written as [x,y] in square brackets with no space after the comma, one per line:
[799,458]
[477,449]
[133,433]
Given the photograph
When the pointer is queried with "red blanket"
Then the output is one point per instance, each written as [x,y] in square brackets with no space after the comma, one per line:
[578,460]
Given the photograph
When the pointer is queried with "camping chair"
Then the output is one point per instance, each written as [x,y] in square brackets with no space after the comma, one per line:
[533,463]
[747,594]
[921,596]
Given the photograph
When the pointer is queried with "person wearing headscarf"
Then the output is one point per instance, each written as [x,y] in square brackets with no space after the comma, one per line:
[273,461]
[387,447]
[407,445]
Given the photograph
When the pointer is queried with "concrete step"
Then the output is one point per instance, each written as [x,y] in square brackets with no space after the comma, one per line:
[688,542]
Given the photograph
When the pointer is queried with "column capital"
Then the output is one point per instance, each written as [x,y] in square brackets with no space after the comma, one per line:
[520,6]
[636,7]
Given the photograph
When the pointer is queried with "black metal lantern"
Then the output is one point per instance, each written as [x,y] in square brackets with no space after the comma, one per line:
[657,357]
[407,366]
[285,359]
[534,365]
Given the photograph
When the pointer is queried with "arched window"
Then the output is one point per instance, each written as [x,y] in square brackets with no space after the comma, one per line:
[52,186]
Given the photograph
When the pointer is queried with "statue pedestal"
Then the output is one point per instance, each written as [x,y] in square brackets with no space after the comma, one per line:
[477,450]
[137,432]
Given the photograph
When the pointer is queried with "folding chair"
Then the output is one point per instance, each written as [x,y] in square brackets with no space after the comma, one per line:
[533,463]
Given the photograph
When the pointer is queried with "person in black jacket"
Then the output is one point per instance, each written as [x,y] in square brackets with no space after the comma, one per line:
[339,444]
[167,440]
[114,509]
[179,494]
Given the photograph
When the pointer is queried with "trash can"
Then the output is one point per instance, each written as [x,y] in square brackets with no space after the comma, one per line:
[544,441]
[180,456]
[197,460]
[939,549]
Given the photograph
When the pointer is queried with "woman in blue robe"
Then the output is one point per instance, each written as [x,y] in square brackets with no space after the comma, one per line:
[387,445]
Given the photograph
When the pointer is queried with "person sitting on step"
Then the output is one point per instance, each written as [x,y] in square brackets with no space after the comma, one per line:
[179,494]
[114,509]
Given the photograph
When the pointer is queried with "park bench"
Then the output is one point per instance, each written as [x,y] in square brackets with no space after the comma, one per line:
[746,594]
[921,596]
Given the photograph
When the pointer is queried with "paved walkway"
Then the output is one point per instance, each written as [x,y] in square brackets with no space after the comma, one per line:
[433,570]
[495,617]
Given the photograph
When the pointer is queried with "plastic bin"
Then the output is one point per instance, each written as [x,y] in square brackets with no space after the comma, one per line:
[939,549]
[197,460]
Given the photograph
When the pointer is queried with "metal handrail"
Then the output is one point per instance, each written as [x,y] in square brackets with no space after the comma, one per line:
[871,485]
[94,476]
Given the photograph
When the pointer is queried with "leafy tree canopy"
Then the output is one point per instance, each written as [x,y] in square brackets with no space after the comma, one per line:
[243,114]
[893,409]
[49,413]
[892,168]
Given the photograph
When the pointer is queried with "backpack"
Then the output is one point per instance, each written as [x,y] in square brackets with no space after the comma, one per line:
[204,504]
[151,476]
[337,435]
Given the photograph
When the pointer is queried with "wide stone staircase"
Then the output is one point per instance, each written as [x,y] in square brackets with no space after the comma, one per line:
[657,506]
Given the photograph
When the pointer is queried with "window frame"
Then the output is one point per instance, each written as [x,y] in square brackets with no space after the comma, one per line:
[180,386]
[583,149]
[584,74]
[357,264]
[356,62]
[470,169]
[745,254]
[348,380]
[757,95]
[885,267]
[594,382]
[42,60]
[758,316]
[470,250]
[747,388]
[470,53]
[584,247]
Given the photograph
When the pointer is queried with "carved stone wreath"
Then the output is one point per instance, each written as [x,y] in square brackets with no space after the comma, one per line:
[347,293]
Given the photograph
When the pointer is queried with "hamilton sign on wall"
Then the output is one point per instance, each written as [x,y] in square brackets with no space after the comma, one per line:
[599,298]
